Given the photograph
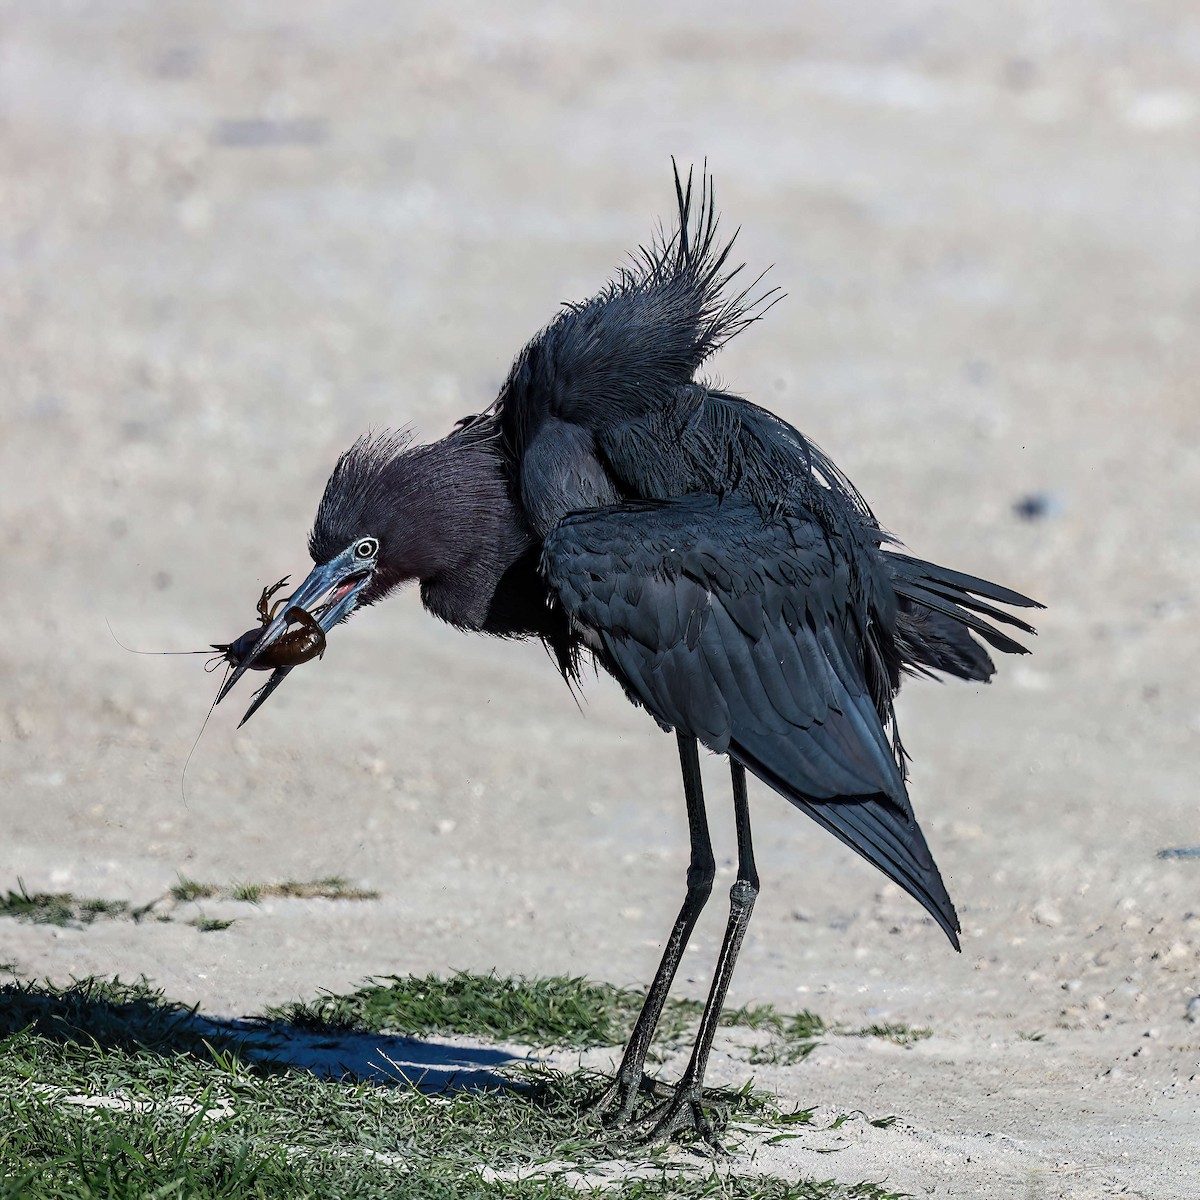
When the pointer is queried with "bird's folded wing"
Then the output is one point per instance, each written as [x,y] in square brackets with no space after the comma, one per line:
[742,633]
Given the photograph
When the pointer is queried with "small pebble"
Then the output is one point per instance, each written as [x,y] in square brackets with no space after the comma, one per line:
[1038,506]
[1192,1012]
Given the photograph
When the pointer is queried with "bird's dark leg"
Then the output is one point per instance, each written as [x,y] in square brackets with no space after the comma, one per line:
[619,1098]
[685,1108]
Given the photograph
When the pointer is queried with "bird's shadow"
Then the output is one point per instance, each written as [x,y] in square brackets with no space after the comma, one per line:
[136,1020]
[359,1055]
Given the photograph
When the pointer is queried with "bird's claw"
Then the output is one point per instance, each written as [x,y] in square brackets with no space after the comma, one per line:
[681,1108]
[683,1111]
[616,1103]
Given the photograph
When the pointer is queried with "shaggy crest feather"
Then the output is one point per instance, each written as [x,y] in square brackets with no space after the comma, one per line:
[358,486]
[644,334]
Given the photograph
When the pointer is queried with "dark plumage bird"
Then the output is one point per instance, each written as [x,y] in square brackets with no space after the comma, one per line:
[701,551]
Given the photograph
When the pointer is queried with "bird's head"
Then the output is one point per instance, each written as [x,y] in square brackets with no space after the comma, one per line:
[371,534]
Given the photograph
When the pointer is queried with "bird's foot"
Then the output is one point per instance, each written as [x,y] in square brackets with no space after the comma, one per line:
[684,1110]
[615,1105]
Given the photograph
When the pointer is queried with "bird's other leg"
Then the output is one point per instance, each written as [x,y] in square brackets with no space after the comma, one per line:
[618,1099]
[685,1108]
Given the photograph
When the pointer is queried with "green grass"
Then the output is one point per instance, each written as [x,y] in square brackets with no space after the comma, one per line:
[902,1035]
[332,887]
[60,908]
[187,890]
[109,1090]
[878,1122]
[557,1011]
[793,1035]
[100,1014]
[210,924]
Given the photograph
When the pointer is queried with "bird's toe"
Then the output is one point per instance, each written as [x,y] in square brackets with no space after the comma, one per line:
[616,1104]
[683,1112]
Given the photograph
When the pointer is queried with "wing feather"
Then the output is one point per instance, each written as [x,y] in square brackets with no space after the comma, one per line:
[743,634]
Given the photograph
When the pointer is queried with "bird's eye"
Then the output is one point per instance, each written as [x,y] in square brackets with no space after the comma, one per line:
[366,548]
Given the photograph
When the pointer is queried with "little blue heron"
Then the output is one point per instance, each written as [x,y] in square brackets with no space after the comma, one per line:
[700,550]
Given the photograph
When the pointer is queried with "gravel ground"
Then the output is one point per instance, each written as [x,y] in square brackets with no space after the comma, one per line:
[236,236]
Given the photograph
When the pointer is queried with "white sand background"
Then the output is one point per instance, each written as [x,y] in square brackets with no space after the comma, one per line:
[236,235]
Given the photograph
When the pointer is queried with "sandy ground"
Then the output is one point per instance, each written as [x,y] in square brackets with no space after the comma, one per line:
[234,236]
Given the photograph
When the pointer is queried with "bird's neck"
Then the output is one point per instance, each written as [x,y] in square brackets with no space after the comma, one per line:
[462,532]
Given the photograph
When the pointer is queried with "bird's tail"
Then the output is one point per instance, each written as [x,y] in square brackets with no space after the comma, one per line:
[939,611]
